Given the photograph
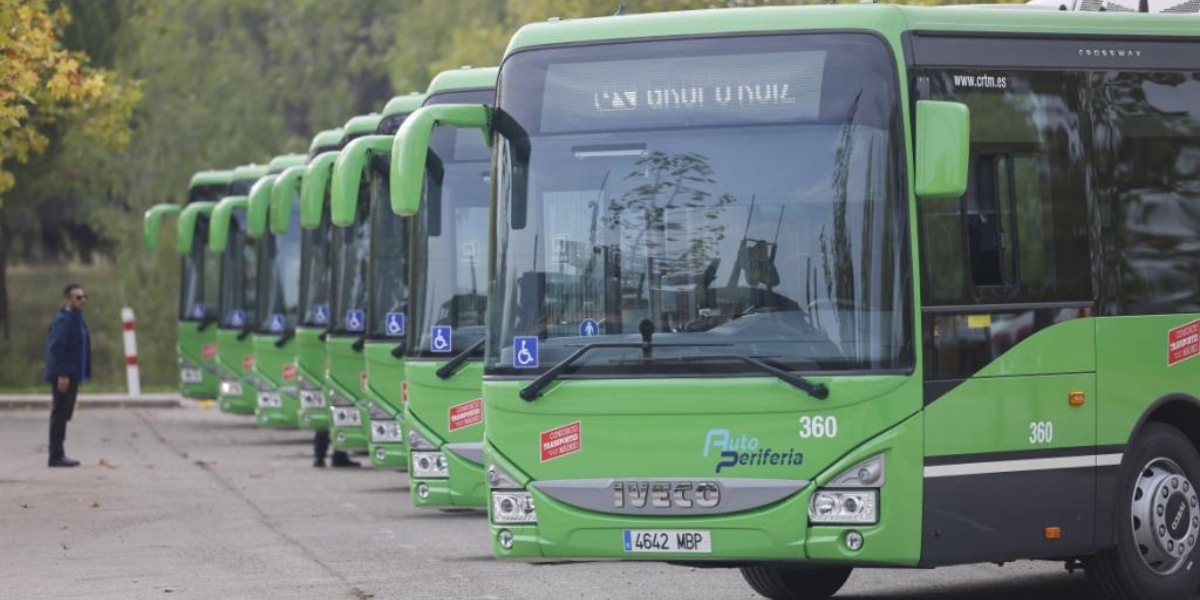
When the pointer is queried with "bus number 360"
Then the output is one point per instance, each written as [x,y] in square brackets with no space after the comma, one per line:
[1041,432]
[818,427]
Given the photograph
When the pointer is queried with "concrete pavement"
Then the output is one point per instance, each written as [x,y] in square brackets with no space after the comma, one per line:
[191,503]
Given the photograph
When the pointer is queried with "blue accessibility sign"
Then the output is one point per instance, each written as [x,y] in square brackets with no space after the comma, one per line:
[589,328]
[321,314]
[198,311]
[275,324]
[237,318]
[525,352]
[395,324]
[441,338]
[355,320]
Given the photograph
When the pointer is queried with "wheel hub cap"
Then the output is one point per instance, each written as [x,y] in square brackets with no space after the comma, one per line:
[1165,517]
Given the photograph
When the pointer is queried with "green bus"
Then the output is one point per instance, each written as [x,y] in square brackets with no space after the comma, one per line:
[346,379]
[278,281]
[358,186]
[237,301]
[196,341]
[313,312]
[449,281]
[844,286]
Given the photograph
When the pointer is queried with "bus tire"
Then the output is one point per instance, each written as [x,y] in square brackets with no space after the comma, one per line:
[1158,521]
[792,583]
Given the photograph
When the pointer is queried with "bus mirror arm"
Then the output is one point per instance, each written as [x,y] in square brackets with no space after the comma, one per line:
[206,323]
[531,392]
[447,370]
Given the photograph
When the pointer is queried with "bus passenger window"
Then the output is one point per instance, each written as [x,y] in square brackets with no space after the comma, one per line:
[989,216]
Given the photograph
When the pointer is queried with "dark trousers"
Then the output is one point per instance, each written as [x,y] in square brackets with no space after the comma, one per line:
[321,446]
[62,410]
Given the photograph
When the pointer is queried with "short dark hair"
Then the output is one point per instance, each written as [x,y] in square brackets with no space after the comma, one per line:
[70,288]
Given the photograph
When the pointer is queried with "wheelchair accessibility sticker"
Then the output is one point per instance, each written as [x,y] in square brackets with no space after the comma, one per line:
[440,339]
[525,352]
[198,311]
[395,324]
[275,325]
[237,318]
[321,314]
[589,328]
[355,320]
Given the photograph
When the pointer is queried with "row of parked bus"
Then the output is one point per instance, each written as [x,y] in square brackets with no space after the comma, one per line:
[790,289]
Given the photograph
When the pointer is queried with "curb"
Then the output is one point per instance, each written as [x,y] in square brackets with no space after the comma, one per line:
[42,401]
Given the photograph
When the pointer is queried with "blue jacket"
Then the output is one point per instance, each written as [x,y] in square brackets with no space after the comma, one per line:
[69,351]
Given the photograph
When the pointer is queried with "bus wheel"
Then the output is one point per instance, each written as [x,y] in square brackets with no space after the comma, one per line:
[791,583]
[1158,521]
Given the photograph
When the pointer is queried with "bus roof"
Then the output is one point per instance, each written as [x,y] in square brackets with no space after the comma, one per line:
[463,78]
[872,17]
[360,125]
[211,178]
[249,172]
[403,104]
[283,161]
[325,140]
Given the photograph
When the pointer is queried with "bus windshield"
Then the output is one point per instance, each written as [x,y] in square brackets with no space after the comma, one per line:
[388,264]
[239,269]
[199,270]
[734,196]
[348,253]
[314,275]
[452,237]
[279,277]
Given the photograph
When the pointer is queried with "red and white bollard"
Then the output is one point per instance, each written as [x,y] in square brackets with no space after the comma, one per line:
[133,379]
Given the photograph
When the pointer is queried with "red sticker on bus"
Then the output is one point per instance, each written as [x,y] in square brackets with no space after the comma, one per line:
[289,372]
[209,352]
[466,414]
[362,381]
[248,362]
[1183,343]
[404,392]
[561,441]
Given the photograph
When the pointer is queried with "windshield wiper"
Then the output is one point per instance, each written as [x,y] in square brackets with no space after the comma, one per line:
[244,332]
[358,344]
[447,370]
[817,390]
[206,323]
[530,392]
[283,339]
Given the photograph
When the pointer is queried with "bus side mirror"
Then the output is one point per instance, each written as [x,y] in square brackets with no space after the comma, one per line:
[259,206]
[189,218]
[222,221]
[152,223]
[283,195]
[411,147]
[347,176]
[943,141]
[312,189]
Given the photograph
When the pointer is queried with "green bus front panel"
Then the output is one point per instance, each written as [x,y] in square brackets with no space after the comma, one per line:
[197,351]
[275,365]
[311,368]
[235,358]
[347,378]
[767,444]
[385,382]
[449,414]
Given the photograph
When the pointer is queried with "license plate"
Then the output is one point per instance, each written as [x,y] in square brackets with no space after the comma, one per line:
[190,375]
[668,540]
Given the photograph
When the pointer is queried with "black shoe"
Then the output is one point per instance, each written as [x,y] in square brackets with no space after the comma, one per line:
[319,462]
[340,459]
[63,461]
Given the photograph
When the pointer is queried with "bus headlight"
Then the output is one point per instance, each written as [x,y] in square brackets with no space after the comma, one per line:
[376,413]
[346,416]
[429,465]
[513,507]
[385,431]
[337,399]
[417,441]
[269,400]
[829,507]
[311,399]
[231,387]
[852,497]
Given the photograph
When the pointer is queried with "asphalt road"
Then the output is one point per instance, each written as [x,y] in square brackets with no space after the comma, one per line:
[191,503]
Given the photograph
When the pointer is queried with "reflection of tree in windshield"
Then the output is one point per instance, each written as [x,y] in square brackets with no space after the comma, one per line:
[839,268]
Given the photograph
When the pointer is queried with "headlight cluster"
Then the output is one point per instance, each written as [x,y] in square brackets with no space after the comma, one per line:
[311,399]
[852,498]
[336,399]
[511,504]
[376,413]
[346,416]
[386,431]
[429,465]
[231,387]
[189,372]
[269,400]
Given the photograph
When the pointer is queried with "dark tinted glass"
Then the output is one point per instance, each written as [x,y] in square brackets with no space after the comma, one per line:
[388,264]
[350,248]
[279,277]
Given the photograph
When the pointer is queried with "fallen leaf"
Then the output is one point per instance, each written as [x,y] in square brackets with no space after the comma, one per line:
[24,506]
[96,504]
[362,595]
[107,465]
[64,546]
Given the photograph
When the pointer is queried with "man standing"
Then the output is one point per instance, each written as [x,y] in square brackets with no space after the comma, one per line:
[68,363]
